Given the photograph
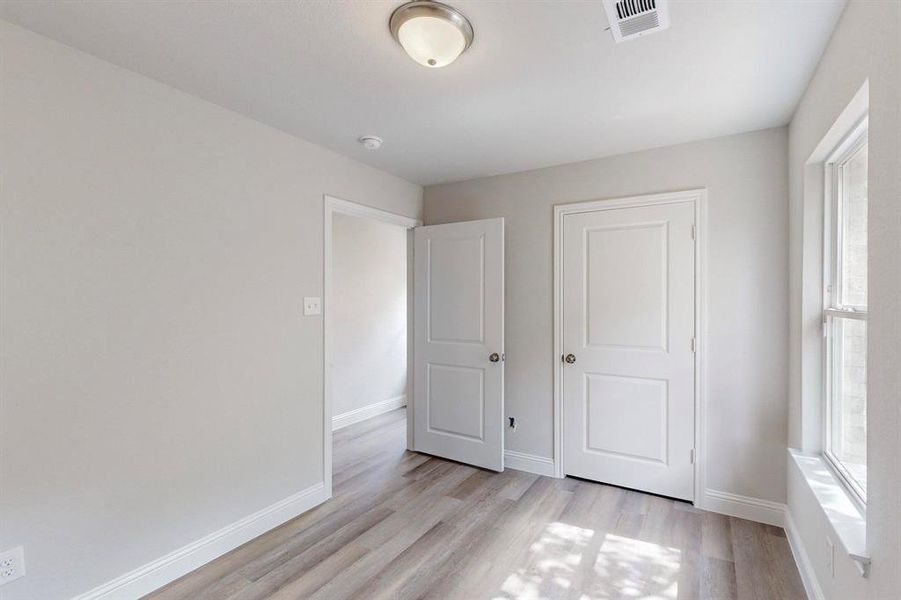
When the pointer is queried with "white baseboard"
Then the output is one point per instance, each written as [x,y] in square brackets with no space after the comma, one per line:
[744,507]
[805,567]
[367,412]
[170,567]
[529,463]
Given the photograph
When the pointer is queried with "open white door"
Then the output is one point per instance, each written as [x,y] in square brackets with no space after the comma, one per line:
[458,399]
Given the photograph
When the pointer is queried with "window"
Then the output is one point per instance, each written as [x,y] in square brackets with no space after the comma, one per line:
[845,311]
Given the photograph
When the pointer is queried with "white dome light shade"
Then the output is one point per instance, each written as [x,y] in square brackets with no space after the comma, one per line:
[431,42]
[433,34]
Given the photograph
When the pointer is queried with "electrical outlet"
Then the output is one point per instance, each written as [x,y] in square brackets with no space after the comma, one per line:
[830,557]
[12,565]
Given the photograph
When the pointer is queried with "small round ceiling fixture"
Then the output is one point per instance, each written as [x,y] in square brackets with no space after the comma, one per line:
[371,142]
[432,33]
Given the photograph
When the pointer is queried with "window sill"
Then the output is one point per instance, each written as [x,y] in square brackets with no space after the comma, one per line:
[847,520]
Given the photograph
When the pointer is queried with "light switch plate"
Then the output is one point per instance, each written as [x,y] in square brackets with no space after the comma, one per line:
[312,305]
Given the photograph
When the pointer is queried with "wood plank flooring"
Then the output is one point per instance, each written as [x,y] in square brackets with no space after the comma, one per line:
[406,525]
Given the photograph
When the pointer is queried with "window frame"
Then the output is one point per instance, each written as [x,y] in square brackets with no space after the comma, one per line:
[833,309]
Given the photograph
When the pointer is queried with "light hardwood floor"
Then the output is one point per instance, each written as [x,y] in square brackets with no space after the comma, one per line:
[406,525]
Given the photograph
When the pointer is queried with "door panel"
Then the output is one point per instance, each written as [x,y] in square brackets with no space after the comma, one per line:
[626,416]
[611,254]
[456,289]
[628,318]
[458,400]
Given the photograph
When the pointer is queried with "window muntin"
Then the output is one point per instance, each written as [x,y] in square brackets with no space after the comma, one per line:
[845,312]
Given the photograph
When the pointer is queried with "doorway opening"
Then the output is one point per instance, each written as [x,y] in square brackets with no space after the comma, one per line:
[367,321]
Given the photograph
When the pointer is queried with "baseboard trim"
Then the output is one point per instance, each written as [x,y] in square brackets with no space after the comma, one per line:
[529,463]
[367,412]
[170,567]
[802,559]
[744,507]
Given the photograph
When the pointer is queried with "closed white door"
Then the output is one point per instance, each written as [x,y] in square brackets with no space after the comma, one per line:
[458,399]
[628,329]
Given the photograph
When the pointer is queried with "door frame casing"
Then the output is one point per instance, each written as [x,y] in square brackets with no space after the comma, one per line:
[697,197]
[332,205]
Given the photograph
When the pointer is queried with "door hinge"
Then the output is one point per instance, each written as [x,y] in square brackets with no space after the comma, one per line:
[694,345]
[691,456]
[694,232]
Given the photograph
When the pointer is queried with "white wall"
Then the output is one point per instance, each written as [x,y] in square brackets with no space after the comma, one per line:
[746,178]
[865,45]
[369,310]
[158,378]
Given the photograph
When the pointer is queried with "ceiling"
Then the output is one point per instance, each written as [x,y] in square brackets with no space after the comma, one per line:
[542,84]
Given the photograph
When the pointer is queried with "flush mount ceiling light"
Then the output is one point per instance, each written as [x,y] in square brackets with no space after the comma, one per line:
[433,34]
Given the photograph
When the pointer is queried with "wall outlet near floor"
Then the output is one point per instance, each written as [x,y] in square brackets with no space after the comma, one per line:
[12,565]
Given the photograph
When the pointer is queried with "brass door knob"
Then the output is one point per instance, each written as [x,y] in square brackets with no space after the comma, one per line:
[570,359]
[494,357]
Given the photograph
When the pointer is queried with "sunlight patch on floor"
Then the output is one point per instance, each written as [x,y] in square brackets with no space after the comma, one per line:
[551,563]
[631,568]
[622,568]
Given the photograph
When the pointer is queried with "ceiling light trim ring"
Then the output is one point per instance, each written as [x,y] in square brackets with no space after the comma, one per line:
[429,8]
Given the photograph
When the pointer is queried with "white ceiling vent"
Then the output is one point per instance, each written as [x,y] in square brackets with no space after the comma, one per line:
[630,19]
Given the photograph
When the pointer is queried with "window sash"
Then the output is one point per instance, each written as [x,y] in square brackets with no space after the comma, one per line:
[845,313]
[832,344]
[833,309]
[840,209]
[833,217]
